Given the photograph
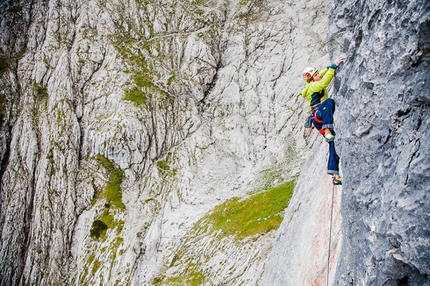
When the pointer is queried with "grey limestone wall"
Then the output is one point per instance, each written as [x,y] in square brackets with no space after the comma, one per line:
[383,126]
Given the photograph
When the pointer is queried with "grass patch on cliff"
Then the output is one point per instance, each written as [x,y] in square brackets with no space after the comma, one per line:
[40,91]
[163,167]
[113,201]
[146,89]
[93,265]
[140,93]
[112,191]
[241,218]
[260,213]
[191,278]
[97,228]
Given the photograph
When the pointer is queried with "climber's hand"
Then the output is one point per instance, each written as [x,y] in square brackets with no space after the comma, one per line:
[340,59]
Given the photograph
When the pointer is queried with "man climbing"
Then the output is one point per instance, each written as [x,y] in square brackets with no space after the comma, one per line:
[322,109]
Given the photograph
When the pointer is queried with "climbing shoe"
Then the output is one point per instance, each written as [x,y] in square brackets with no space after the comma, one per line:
[337,181]
[329,137]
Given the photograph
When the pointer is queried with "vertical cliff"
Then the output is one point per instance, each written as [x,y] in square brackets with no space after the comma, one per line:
[383,131]
[133,132]
[383,94]
[123,123]
[312,228]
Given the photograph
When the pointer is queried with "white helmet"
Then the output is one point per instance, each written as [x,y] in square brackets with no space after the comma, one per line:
[308,73]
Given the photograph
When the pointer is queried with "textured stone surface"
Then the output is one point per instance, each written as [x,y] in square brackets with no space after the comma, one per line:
[382,124]
[300,254]
[218,116]
[383,93]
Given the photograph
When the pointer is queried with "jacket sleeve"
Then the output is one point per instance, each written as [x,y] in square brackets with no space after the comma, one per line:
[317,86]
[323,72]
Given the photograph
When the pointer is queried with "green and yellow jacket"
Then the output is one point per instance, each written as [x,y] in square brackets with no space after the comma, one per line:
[315,92]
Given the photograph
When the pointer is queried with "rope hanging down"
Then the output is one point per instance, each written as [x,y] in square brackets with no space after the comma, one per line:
[329,242]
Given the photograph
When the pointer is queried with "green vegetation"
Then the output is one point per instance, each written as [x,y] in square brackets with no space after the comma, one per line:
[39,90]
[107,221]
[112,192]
[192,278]
[164,167]
[114,249]
[259,213]
[143,76]
[94,262]
[171,79]
[251,10]
[108,218]
[136,96]
[143,87]
[104,222]
[241,218]
[40,95]
[96,266]
[97,228]
[105,162]
[269,176]
[113,196]
[143,84]
[113,189]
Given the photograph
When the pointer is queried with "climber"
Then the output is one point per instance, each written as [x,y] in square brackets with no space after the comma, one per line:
[322,109]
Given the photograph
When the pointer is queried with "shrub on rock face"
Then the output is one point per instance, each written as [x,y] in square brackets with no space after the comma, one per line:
[97,228]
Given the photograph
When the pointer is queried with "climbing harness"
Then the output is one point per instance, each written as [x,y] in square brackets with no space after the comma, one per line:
[314,117]
[329,243]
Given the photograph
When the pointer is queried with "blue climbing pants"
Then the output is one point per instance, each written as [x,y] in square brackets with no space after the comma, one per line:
[322,118]
[324,114]
[333,160]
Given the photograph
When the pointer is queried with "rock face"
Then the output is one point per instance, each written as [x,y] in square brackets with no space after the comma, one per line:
[303,241]
[124,122]
[384,122]
[383,132]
